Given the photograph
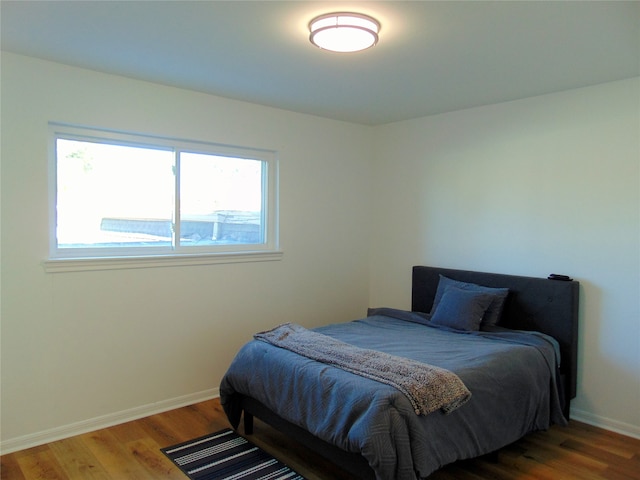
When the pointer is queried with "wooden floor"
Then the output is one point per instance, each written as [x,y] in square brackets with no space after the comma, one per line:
[131,451]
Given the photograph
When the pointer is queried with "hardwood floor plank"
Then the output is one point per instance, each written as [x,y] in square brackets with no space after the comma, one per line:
[128,432]
[41,464]
[184,424]
[624,469]
[9,468]
[147,453]
[580,466]
[131,451]
[211,411]
[534,465]
[77,460]
[161,430]
[114,456]
[602,441]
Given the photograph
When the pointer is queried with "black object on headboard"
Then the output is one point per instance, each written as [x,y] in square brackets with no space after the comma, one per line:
[547,306]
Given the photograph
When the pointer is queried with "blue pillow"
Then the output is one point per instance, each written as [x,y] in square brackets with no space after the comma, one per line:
[492,315]
[461,309]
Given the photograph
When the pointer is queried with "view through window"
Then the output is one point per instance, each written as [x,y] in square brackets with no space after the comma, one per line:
[115,197]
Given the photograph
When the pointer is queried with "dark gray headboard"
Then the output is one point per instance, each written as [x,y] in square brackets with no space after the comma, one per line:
[547,306]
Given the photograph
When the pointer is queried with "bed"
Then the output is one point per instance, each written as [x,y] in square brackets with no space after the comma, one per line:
[517,365]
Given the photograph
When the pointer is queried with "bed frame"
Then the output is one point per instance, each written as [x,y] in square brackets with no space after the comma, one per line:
[547,306]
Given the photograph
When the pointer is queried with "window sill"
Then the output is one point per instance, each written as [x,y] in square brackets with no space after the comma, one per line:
[122,263]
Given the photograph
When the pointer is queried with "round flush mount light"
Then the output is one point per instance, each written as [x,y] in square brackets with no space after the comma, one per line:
[344,32]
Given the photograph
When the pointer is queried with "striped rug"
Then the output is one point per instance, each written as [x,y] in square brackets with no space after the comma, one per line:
[225,455]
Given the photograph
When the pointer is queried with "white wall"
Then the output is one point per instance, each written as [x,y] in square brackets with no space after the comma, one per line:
[89,347]
[543,185]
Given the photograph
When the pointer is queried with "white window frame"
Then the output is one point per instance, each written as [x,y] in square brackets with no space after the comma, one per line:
[100,258]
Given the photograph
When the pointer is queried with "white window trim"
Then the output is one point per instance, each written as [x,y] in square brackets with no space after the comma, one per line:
[63,265]
[70,261]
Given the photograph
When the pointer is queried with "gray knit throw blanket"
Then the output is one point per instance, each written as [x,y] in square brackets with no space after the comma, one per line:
[427,387]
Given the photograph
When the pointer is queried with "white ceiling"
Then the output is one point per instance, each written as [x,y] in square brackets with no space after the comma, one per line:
[432,57]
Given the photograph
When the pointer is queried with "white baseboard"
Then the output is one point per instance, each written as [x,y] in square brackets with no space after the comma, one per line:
[104,421]
[605,423]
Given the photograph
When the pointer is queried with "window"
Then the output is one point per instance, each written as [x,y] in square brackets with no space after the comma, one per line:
[124,195]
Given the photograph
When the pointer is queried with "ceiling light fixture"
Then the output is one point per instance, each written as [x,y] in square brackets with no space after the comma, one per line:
[344,32]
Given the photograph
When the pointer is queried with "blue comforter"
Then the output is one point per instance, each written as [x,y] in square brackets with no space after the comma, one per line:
[511,376]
